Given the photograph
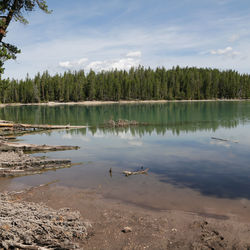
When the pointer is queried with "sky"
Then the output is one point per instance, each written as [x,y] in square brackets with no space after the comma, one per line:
[104,35]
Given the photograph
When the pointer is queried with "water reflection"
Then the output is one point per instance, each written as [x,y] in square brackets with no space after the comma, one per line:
[210,178]
[177,117]
[190,160]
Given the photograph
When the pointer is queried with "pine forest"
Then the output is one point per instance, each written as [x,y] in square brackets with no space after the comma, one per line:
[136,84]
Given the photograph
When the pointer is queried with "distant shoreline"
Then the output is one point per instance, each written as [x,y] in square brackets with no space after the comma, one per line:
[93,103]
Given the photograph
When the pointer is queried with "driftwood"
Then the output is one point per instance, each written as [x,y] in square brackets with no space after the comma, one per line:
[17,163]
[121,123]
[37,126]
[8,146]
[225,140]
[127,173]
[13,161]
[12,134]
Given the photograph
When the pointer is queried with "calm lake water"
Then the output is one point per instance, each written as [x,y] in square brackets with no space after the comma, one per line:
[185,163]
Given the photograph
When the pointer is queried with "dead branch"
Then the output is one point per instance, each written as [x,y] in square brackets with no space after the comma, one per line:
[127,173]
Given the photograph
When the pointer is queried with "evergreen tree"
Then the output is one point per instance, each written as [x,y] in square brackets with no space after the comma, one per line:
[137,83]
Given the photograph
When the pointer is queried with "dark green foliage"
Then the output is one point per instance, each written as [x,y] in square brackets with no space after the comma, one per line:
[137,84]
[14,10]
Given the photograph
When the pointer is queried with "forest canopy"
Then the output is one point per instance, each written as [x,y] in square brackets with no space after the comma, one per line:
[136,84]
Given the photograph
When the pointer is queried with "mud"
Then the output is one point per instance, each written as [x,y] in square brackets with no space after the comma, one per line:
[149,229]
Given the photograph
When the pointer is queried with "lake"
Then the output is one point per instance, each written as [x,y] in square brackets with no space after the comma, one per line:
[188,168]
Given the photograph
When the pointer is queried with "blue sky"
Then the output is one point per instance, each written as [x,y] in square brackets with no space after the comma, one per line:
[84,34]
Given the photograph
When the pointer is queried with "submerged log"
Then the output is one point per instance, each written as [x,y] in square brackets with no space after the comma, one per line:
[7,146]
[121,123]
[37,126]
[127,173]
[13,162]
[17,163]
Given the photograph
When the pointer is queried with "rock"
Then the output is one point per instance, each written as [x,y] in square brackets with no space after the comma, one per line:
[127,230]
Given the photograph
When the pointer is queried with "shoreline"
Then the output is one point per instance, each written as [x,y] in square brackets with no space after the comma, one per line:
[107,217]
[92,103]
[170,229]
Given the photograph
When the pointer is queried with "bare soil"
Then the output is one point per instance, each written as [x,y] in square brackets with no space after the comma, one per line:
[148,229]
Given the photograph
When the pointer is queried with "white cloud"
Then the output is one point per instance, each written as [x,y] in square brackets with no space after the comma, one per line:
[163,45]
[228,51]
[65,64]
[104,51]
[99,134]
[134,54]
[131,139]
[132,59]
[73,64]
[127,137]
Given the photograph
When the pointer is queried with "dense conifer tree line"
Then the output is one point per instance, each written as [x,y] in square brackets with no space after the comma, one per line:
[137,83]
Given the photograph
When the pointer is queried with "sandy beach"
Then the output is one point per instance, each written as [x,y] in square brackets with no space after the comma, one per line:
[89,103]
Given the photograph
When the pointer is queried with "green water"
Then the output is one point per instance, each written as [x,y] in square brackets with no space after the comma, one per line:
[177,117]
[175,144]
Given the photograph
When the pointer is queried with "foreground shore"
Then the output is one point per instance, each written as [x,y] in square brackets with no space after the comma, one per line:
[26,225]
[36,218]
[115,102]
[146,229]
